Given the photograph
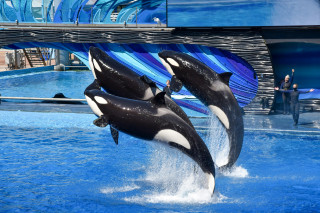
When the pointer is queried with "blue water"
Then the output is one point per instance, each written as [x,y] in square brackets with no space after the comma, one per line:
[46,84]
[61,162]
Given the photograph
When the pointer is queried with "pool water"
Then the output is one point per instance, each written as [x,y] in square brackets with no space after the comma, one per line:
[61,162]
[46,84]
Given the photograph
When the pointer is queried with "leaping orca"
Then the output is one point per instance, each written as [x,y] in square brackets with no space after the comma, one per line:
[150,120]
[213,90]
[117,79]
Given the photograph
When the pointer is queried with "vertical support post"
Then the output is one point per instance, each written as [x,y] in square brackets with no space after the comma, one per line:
[46,15]
[57,56]
[136,17]
[15,59]
[42,10]
[91,15]
[53,13]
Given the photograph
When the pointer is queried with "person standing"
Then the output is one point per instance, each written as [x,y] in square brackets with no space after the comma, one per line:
[294,95]
[167,89]
[285,85]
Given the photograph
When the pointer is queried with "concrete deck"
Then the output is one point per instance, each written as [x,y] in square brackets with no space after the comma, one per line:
[308,122]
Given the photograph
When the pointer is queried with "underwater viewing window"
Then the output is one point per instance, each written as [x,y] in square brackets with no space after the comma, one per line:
[242,13]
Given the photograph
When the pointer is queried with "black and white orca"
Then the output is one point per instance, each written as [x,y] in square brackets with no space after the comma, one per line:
[150,120]
[117,79]
[213,90]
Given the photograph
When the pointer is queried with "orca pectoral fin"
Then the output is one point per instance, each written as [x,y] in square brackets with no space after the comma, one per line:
[115,134]
[102,121]
[159,99]
[148,81]
[175,84]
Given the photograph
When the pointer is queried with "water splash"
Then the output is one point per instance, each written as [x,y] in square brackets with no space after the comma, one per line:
[235,171]
[218,144]
[194,197]
[111,190]
[217,141]
[175,179]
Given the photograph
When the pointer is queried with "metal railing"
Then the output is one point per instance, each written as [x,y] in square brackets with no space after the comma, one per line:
[80,25]
[41,99]
[180,97]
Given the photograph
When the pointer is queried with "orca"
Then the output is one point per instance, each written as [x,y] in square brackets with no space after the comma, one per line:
[152,121]
[61,95]
[117,79]
[213,90]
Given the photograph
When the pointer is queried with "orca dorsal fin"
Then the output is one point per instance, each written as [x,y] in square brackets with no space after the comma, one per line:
[159,99]
[148,81]
[115,134]
[225,77]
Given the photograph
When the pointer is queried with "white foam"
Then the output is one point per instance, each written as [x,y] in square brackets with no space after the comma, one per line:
[177,179]
[111,190]
[200,196]
[236,171]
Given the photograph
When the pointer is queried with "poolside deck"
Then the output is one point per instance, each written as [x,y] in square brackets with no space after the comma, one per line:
[308,122]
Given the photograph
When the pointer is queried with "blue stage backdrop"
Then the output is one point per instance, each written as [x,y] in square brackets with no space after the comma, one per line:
[144,60]
[304,58]
[235,13]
